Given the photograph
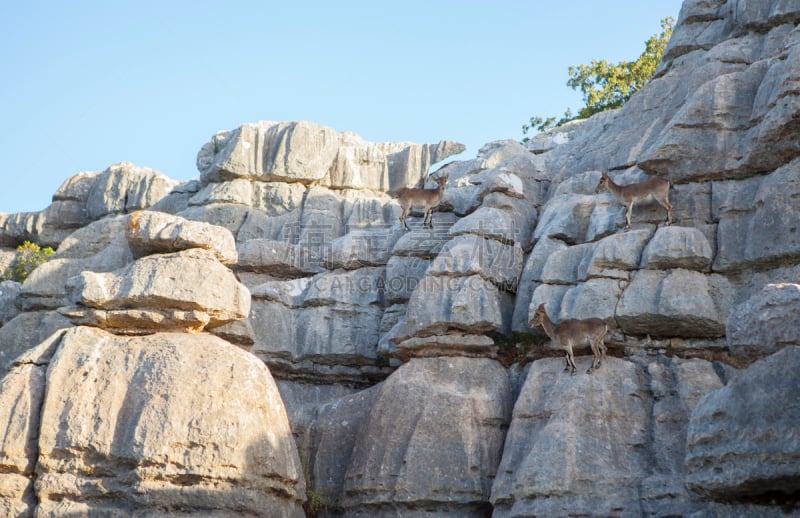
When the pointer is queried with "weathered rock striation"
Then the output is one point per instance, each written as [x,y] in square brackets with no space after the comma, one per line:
[408,379]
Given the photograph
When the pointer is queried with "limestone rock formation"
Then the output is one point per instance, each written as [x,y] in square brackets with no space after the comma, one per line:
[399,356]
[150,232]
[438,424]
[306,152]
[157,424]
[743,438]
[765,323]
[585,444]
[184,290]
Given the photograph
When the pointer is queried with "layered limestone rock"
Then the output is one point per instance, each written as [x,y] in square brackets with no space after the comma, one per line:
[382,340]
[323,328]
[150,232]
[765,323]
[305,152]
[432,439]
[101,246]
[187,290]
[155,424]
[600,445]
[743,441]
[84,198]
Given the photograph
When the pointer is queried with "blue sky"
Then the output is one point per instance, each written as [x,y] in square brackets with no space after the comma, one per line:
[87,84]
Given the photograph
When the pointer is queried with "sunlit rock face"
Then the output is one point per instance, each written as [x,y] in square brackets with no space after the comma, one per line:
[406,363]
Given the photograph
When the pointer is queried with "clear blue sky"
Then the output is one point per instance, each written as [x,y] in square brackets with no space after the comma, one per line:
[85,84]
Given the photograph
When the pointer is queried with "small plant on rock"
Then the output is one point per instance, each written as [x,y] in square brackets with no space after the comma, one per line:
[514,348]
[29,256]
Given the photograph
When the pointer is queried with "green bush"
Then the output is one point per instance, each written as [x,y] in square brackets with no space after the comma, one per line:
[29,256]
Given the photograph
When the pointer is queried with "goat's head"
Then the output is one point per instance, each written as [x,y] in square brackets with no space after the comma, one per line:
[441,180]
[539,316]
[604,180]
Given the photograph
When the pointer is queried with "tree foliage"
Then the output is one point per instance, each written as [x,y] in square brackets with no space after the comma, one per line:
[607,86]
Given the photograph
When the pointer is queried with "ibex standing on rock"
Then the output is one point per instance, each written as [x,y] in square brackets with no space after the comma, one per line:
[569,333]
[422,198]
[628,195]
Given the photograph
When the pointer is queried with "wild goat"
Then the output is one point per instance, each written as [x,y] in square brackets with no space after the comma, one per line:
[421,198]
[571,333]
[628,195]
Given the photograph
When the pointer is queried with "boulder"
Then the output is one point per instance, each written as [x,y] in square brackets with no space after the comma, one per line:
[231,216]
[579,218]
[468,304]
[185,290]
[677,247]
[362,247]
[675,303]
[561,266]
[99,247]
[276,198]
[269,151]
[425,242]
[765,323]
[743,439]
[595,298]
[505,225]
[403,275]
[408,162]
[22,392]
[451,344]
[139,425]
[323,329]
[615,256]
[124,188]
[306,152]
[177,200]
[238,191]
[150,232]
[303,402]
[470,254]
[431,440]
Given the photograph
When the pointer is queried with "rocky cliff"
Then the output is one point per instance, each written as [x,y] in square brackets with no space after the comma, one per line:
[266,340]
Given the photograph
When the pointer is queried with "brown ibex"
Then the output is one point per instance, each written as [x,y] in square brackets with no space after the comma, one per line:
[628,195]
[427,199]
[569,333]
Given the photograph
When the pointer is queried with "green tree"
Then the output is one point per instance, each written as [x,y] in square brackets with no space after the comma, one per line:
[29,256]
[607,86]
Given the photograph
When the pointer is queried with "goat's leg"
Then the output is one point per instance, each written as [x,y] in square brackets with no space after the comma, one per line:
[666,204]
[595,357]
[403,218]
[571,361]
[628,216]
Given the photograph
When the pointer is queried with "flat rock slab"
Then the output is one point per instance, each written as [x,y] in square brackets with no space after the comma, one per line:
[191,283]
[151,232]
